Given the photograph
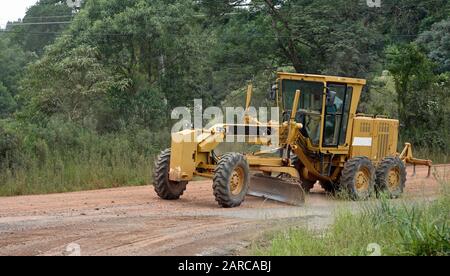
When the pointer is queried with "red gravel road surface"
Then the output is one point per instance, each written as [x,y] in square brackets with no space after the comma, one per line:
[134,221]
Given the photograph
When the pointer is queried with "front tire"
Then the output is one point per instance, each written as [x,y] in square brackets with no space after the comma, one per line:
[358,178]
[231,180]
[165,188]
[391,177]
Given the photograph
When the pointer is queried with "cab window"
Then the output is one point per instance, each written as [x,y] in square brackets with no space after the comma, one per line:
[310,106]
[338,102]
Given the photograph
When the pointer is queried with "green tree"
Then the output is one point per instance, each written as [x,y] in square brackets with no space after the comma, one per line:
[7,103]
[243,49]
[157,44]
[329,37]
[12,62]
[429,110]
[436,42]
[411,70]
[403,20]
[70,83]
[383,96]
[36,31]
[422,97]
[152,51]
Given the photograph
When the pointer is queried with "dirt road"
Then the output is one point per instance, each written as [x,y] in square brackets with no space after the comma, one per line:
[134,221]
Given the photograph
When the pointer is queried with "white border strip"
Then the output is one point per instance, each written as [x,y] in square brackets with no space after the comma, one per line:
[362,142]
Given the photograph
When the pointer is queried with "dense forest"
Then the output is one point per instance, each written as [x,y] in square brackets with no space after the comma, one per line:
[86,94]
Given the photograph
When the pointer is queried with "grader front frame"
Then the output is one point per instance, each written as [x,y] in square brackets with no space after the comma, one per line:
[321,139]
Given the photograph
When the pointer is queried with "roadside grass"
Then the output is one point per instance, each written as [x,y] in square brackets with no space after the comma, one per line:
[64,157]
[77,173]
[399,228]
[437,156]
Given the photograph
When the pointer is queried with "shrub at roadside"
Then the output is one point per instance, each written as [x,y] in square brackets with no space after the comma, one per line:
[411,229]
[64,157]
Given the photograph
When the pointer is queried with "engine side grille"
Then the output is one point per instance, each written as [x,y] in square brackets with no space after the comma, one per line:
[383,140]
[365,127]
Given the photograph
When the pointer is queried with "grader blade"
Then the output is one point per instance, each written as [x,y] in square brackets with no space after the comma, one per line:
[283,190]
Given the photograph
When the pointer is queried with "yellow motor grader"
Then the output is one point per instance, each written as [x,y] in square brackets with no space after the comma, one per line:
[321,139]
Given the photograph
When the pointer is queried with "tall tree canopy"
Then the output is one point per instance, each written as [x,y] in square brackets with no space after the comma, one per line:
[42,23]
[129,63]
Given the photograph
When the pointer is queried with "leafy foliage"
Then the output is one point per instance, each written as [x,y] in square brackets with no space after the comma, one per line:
[71,86]
[422,97]
[120,67]
[411,70]
[36,33]
[7,102]
[419,229]
[12,62]
[437,44]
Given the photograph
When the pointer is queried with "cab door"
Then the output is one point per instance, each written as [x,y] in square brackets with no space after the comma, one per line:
[337,113]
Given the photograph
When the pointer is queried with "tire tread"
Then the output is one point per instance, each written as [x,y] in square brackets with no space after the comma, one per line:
[162,184]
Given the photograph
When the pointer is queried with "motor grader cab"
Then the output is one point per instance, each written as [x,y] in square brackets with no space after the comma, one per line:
[321,138]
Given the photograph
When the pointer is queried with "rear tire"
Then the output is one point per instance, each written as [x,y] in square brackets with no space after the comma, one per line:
[358,178]
[391,177]
[231,180]
[165,188]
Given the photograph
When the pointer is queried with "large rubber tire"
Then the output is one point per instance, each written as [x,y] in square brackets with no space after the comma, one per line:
[166,189]
[352,174]
[229,164]
[384,177]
